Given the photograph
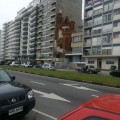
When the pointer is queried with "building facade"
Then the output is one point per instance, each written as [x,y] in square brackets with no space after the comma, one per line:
[31,36]
[76,53]
[102,33]
[47,25]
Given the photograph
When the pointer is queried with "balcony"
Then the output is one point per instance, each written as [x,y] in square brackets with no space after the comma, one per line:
[52,13]
[98,22]
[89,24]
[87,35]
[33,29]
[89,5]
[32,39]
[117,5]
[107,52]
[116,17]
[87,44]
[108,9]
[116,40]
[32,44]
[97,2]
[52,19]
[33,19]
[116,29]
[33,14]
[98,32]
[53,2]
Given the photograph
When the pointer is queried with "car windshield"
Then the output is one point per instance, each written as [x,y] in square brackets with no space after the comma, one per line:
[4,77]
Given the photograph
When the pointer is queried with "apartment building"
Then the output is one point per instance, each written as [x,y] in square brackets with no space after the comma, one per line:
[31,36]
[47,25]
[76,53]
[19,36]
[102,33]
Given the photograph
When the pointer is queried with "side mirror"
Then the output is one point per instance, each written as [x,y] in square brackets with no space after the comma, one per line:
[13,78]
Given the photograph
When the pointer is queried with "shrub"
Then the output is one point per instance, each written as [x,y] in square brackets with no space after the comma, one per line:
[113,67]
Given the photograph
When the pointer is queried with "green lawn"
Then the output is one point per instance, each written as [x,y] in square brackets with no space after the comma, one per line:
[92,78]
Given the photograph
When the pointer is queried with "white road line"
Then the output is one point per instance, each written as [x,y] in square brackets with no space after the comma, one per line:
[46,115]
[37,83]
[94,95]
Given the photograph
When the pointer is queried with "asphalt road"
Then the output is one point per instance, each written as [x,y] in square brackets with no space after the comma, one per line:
[55,97]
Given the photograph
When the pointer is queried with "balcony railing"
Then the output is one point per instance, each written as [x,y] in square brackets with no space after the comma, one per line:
[89,24]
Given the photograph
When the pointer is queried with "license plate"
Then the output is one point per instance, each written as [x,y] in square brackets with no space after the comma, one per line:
[16,110]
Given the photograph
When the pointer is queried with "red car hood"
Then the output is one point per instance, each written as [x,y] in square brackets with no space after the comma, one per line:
[108,102]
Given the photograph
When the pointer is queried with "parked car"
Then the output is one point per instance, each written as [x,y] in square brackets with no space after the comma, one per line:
[15,99]
[115,73]
[14,64]
[106,107]
[90,69]
[26,65]
[48,66]
[38,66]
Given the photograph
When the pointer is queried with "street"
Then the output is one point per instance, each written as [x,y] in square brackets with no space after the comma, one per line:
[55,97]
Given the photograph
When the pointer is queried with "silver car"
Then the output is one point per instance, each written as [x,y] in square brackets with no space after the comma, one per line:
[48,66]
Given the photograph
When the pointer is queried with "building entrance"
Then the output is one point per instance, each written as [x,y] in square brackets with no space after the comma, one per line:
[99,63]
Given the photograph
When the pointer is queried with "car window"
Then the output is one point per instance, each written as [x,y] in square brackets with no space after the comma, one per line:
[4,76]
[95,118]
[91,66]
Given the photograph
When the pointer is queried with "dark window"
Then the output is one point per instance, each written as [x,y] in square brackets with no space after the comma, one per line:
[95,118]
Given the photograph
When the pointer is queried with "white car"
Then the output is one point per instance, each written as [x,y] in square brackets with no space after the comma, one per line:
[48,66]
[14,64]
[26,65]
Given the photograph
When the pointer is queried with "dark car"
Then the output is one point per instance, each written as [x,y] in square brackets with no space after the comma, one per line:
[38,66]
[89,69]
[115,73]
[15,99]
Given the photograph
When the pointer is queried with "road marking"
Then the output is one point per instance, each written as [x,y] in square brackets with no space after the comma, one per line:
[81,87]
[46,115]
[51,96]
[37,83]
[94,95]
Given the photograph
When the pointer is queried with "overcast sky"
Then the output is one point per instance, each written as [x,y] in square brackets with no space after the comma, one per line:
[9,9]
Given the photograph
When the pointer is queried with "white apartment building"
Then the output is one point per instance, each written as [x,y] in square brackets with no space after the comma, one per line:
[32,34]
[102,33]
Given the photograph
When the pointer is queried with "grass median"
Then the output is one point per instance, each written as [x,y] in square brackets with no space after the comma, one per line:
[81,77]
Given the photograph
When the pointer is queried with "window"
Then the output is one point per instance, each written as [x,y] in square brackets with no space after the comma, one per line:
[107,28]
[109,62]
[107,17]
[108,7]
[117,12]
[95,118]
[98,20]
[116,35]
[107,39]
[77,49]
[87,42]
[116,24]
[98,10]
[76,39]
[91,62]
[96,41]
[106,51]
[96,51]
[117,1]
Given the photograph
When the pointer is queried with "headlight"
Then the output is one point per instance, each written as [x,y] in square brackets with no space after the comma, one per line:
[30,94]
